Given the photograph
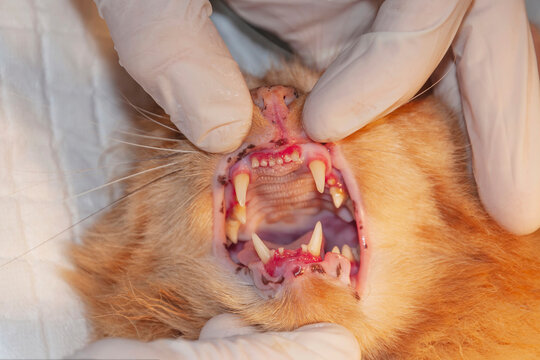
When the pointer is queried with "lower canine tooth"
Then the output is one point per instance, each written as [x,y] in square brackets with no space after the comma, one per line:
[318,170]
[260,248]
[241,182]
[239,213]
[231,230]
[346,251]
[338,196]
[314,246]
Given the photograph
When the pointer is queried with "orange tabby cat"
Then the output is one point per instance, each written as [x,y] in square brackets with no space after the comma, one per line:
[407,259]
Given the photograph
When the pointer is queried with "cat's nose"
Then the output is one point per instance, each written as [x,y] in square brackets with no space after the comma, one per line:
[276,96]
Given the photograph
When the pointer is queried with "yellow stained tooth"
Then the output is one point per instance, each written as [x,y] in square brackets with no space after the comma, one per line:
[304,247]
[254,162]
[295,156]
[314,246]
[239,212]
[280,250]
[260,248]
[346,251]
[318,170]
[231,230]
[338,196]
[335,250]
[241,182]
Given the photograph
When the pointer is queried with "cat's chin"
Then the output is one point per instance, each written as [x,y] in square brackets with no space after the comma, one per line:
[287,208]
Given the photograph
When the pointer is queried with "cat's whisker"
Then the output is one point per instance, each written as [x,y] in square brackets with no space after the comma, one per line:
[129,194]
[121,179]
[150,137]
[154,147]
[149,118]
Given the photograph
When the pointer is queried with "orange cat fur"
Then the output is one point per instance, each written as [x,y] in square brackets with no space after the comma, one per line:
[444,280]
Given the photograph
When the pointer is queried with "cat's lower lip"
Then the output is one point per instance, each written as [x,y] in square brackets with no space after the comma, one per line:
[266,190]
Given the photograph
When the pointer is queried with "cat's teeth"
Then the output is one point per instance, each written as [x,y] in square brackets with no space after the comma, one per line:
[239,213]
[335,250]
[241,182]
[314,246]
[346,251]
[295,156]
[264,163]
[260,248]
[318,170]
[254,163]
[356,254]
[304,247]
[279,161]
[231,230]
[287,158]
[338,196]
[280,250]
[271,162]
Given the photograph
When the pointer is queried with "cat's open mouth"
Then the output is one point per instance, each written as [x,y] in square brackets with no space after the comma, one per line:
[288,208]
[287,211]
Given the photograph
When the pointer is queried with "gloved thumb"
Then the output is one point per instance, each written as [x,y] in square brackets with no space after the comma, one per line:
[172,49]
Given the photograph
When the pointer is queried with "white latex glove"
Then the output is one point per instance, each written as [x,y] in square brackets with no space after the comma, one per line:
[387,50]
[225,337]
[172,49]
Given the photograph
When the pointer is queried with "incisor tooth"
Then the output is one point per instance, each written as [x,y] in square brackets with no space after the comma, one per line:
[295,156]
[260,248]
[239,212]
[338,196]
[346,251]
[287,158]
[280,250]
[279,161]
[231,230]
[264,163]
[254,163]
[318,170]
[335,250]
[314,246]
[271,162]
[241,182]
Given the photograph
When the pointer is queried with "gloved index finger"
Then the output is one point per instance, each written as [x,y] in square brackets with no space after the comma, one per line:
[384,68]
[172,49]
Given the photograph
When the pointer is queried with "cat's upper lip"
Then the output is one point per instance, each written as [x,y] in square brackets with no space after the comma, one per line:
[256,183]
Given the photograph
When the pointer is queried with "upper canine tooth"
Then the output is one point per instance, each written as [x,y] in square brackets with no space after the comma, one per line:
[335,250]
[346,251]
[254,162]
[314,246]
[239,212]
[318,170]
[338,196]
[231,230]
[260,248]
[241,182]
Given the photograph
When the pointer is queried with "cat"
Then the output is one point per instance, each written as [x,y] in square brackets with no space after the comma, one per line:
[397,247]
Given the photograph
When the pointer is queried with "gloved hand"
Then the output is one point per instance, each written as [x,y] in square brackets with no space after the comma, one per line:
[375,72]
[225,337]
[378,56]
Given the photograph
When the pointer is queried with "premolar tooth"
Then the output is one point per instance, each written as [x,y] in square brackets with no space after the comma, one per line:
[338,196]
[346,251]
[241,182]
[231,230]
[314,246]
[239,213]
[318,170]
[254,162]
[295,156]
[335,250]
[345,214]
[356,254]
[260,248]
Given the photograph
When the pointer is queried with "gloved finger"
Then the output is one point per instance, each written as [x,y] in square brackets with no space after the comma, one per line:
[172,49]
[499,84]
[318,341]
[384,69]
[317,30]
